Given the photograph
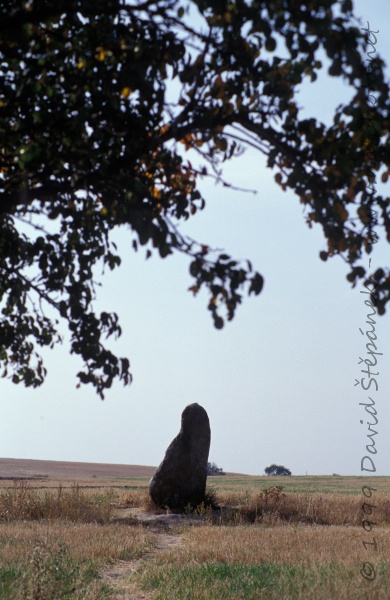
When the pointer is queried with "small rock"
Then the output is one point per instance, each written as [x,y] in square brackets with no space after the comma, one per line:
[181,477]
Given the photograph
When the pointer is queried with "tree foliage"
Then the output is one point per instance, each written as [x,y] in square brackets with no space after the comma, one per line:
[101,103]
[213,469]
[277,470]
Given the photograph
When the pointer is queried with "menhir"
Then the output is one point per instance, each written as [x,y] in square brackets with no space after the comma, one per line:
[180,479]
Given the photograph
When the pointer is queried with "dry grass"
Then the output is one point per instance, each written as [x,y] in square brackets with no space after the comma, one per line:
[270,506]
[283,544]
[273,505]
[24,503]
[52,542]
[130,498]
[85,542]
[298,545]
[55,559]
[301,546]
[297,562]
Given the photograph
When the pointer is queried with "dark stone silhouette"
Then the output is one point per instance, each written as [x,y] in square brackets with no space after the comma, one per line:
[181,477]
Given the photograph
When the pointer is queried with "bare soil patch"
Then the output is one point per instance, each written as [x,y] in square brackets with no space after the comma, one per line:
[51,472]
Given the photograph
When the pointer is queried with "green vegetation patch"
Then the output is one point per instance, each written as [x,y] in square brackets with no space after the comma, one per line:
[222,581]
[50,573]
[8,576]
[300,483]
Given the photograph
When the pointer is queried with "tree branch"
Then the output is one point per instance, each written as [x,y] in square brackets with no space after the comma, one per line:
[24,196]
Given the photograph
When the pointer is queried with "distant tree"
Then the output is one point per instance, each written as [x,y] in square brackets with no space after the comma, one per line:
[277,470]
[213,469]
[99,103]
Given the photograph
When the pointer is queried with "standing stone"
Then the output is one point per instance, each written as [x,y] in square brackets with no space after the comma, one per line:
[181,477]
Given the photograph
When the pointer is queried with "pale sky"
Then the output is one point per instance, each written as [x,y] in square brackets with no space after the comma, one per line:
[277,382]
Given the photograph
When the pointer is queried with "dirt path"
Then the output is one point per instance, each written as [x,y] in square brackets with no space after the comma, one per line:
[121,575]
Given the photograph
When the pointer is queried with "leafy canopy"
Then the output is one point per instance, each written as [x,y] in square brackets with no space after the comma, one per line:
[100,102]
[213,469]
[277,470]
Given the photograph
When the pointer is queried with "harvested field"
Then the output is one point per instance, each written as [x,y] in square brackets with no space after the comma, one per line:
[89,531]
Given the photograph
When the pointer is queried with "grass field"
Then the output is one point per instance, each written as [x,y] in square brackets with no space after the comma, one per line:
[62,536]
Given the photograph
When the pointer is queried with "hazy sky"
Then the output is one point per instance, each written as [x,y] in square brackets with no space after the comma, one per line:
[277,382]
